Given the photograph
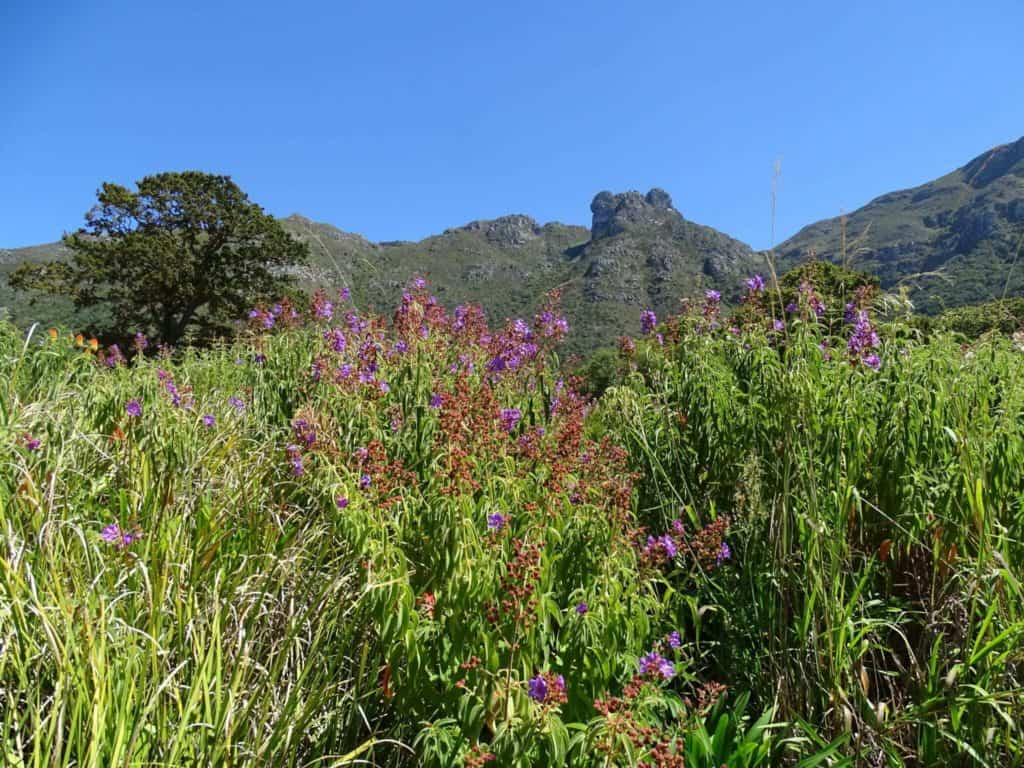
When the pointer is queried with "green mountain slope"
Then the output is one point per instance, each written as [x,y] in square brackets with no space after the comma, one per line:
[639,253]
[952,241]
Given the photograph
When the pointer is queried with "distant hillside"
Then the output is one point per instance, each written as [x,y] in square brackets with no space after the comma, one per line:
[952,241]
[640,252]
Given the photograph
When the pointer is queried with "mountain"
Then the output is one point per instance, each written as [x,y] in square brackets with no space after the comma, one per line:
[639,253]
[952,241]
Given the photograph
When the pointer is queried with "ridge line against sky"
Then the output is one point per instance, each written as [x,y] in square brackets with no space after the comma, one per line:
[399,120]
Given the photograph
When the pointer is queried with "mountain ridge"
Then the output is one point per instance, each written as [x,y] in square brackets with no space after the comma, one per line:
[946,241]
[951,241]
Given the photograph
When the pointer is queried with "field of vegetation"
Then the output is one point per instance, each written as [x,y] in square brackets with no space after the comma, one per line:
[789,537]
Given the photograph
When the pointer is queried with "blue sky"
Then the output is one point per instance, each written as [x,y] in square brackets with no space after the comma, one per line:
[397,120]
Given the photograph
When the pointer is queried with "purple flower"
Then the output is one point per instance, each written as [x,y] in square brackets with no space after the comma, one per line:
[114,356]
[384,387]
[724,553]
[436,401]
[336,338]
[537,688]
[864,337]
[237,404]
[345,294]
[365,482]
[295,459]
[209,421]
[509,418]
[872,361]
[778,326]
[648,320]
[674,640]
[654,663]
[712,296]
[792,307]
[341,502]
[32,443]
[322,308]
[755,283]
[496,521]
[582,609]
[261,359]
[134,408]
[112,534]
[141,342]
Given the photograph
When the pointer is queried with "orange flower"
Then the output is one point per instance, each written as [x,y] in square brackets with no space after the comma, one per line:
[53,333]
[79,340]
[94,344]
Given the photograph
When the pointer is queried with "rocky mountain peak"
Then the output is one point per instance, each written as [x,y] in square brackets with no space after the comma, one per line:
[613,213]
[509,231]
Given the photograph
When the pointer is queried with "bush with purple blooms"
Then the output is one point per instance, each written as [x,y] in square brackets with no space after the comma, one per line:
[414,540]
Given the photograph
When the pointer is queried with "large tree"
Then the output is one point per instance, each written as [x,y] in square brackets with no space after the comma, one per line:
[180,257]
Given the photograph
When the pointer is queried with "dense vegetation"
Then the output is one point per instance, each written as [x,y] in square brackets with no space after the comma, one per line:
[785,541]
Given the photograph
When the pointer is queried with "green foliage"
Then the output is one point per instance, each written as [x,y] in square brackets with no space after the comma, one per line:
[1005,316]
[603,369]
[876,518]
[183,256]
[367,543]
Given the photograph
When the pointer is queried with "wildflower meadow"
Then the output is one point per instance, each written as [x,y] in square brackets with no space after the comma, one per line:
[785,536]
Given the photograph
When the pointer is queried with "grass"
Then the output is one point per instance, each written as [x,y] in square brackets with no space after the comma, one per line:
[412,543]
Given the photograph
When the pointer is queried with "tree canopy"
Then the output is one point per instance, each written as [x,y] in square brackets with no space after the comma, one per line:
[180,257]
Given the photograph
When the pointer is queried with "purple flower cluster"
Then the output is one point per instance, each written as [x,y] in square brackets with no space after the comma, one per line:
[543,688]
[322,308]
[134,408]
[295,459]
[510,418]
[724,553]
[495,521]
[661,548]
[113,534]
[114,357]
[179,399]
[551,326]
[755,284]
[648,321]
[336,339]
[512,348]
[655,664]
[303,432]
[864,340]
[263,317]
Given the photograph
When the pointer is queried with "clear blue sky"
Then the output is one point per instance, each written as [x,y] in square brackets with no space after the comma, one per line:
[397,120]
